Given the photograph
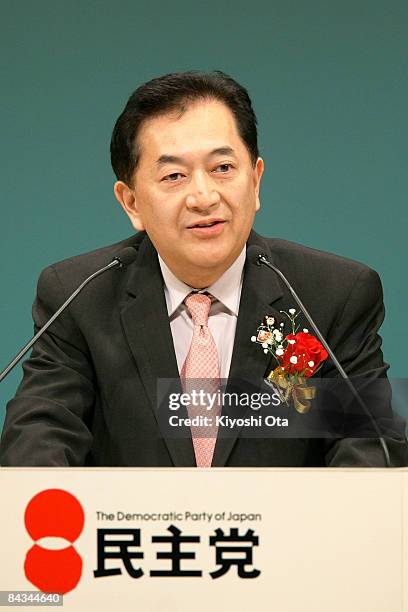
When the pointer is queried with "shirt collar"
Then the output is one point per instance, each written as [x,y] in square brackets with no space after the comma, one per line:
[227,289]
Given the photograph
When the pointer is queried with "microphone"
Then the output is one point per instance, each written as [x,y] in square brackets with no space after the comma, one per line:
[125,257]
[256,256]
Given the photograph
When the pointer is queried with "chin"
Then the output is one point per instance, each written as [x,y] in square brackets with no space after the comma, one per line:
[209,258]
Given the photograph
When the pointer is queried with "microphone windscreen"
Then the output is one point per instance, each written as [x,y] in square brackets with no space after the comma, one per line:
[253,253]
[126,256]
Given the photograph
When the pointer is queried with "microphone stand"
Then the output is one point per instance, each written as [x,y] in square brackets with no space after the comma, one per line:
[261,259]
[126,256]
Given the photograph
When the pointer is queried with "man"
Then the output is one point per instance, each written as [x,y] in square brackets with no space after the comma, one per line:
[185,154]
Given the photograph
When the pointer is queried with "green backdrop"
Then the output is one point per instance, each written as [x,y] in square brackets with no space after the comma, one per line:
[328,81]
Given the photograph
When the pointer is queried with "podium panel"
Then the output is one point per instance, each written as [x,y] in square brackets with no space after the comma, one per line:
[172,540]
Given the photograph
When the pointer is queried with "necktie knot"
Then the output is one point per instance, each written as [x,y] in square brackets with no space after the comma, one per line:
[199,305]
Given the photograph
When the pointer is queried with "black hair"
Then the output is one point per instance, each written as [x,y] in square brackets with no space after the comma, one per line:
[174,92]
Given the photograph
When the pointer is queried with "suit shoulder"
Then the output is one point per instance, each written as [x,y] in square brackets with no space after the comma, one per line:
[87,263]
[321,272]
[293,253]
[70,272]
[101,256]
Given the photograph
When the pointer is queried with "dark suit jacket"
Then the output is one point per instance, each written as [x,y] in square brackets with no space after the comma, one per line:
[88,396]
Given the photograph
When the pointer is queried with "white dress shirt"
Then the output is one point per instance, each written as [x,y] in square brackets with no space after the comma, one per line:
[222,320]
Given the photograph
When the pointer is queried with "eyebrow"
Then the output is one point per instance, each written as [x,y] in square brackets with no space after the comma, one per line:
[174,159]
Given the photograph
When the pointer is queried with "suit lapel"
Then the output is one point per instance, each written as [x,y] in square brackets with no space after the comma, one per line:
[260,289]
[147,329]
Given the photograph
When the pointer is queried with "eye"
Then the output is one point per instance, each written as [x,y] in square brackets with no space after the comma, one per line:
[223,168]
[173,177]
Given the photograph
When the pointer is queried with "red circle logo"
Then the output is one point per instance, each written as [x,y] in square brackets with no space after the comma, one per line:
[54,513]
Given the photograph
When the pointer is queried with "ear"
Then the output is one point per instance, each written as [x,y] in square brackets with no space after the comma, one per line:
[127,199]
[258,172]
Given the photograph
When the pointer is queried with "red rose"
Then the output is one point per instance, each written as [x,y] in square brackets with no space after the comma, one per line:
[303,354]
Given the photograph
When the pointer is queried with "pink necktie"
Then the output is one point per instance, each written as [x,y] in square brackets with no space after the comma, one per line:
[202,362]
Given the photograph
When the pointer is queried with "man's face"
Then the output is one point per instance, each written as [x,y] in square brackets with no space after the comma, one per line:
[195,191]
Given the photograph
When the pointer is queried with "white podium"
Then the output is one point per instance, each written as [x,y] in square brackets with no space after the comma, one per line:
[172,540]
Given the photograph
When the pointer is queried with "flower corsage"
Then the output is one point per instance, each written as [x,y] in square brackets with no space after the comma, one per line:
[298,354]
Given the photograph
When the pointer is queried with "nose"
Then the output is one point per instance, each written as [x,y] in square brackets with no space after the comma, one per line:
[202,193]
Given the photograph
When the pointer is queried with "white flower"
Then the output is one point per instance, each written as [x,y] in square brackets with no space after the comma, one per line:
[280,346]
[310,364]
[282,324]
[292,341]
[253,338]
[277,334]
[293,359]
[266,351]
[264,345]
[292,311]
[279,352]
[270,320]
[305,331]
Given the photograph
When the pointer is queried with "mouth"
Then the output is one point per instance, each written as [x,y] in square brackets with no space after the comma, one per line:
[206,224]
[207,229]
